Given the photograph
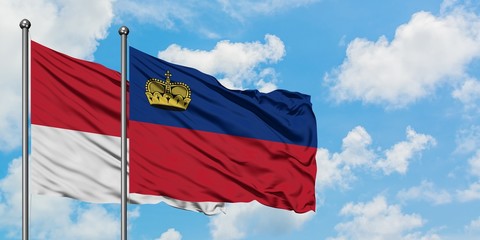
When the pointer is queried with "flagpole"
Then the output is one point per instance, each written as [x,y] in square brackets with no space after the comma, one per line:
[25,26]
[123,31]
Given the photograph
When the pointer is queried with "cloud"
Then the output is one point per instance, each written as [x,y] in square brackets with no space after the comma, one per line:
[11,196]
[243,70]
[425,191]
[471,231]
[468,140]
[244,219]
[243,9]
[166,14]
[58,24]
[172,14]
[468,94]
[413,65]
[470,194]
[331,171]
[420,236]
[170,234]
[474,163]
[134,214]
[397,157]
[337,169]
[473,226]
[379,220]
[448,5]
[92,222]
[355,148]
[52,217]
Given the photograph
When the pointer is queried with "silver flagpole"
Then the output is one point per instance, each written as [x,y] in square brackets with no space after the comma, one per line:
[25,26]
[123,31]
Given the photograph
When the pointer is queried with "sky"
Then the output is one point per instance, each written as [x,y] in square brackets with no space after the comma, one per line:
[395,88]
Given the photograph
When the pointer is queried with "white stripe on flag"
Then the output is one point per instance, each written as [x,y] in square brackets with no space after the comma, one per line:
[86,166]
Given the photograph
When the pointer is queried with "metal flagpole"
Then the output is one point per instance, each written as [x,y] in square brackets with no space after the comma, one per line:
[25,25]
[123,31]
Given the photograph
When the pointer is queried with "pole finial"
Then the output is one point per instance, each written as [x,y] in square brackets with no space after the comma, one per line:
[25,24]
[123,30]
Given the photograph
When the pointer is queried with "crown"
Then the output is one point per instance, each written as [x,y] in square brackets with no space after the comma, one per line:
[171,95]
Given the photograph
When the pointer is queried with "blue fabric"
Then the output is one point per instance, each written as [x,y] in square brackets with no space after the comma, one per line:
[279,116]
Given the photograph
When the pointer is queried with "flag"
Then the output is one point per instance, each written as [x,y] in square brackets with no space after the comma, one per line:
[75,129]
[193,139]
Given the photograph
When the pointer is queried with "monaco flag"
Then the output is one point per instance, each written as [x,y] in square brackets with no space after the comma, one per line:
[75,129]
[193,139]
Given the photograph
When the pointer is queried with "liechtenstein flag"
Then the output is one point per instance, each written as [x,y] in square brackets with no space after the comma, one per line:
[75,116]
[194,140]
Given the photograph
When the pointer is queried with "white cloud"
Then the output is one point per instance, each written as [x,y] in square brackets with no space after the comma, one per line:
[134,214]
[448,5]
[244,219]
[468,139]
[131,216]
[357,152]
[202,16]
[411,66]
[420,236]
[58,24]
[11,196]
[52,217]
[92,222]
[336,169]
[377,220]
[236,72]
[474,163]
[165,13]
[468,94]
[331,171]
[471,231]
[425,191]
[470,194]
[473,226]
[398,157]
[170,234]
[243,9]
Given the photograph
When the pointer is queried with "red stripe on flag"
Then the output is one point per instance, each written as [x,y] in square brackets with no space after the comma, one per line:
[194,165]
[74,94]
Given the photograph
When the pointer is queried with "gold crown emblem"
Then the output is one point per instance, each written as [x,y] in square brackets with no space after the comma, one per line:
[171,95]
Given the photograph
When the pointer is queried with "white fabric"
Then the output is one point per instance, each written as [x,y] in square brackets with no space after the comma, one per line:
[86,166]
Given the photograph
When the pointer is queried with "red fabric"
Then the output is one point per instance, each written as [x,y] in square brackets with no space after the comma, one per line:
[189,169]
[79,95]
[74,94]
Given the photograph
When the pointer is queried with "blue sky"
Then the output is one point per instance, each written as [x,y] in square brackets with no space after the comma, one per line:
[395,88]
